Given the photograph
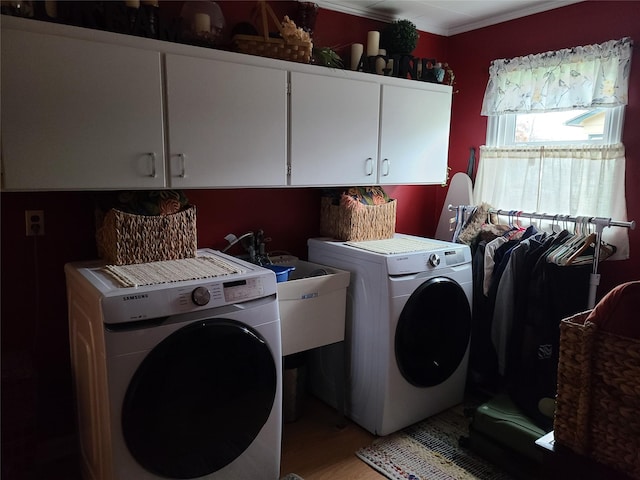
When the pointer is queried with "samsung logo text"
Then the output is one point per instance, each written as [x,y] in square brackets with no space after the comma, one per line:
[126,298]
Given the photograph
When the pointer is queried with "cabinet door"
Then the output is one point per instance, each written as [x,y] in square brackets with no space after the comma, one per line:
[414,135]
[79,114]
[227,124]
[334,130]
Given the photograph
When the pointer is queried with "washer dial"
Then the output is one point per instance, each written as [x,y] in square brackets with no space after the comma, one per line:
[201,296]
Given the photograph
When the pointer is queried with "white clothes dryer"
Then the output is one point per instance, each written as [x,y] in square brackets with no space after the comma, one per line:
[408,327]
[177,380]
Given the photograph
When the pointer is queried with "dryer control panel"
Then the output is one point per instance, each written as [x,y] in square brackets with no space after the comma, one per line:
[416,262]
[455,257]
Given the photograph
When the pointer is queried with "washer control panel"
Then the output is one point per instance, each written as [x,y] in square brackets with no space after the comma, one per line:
[240,290]
[139,303]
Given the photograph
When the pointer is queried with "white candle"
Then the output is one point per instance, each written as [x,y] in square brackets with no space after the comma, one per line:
[356,54]
[201,22]
[380,62]
[132,3]
[373,43]
[51,7]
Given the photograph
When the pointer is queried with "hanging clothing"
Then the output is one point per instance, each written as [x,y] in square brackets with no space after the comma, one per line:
[515,331]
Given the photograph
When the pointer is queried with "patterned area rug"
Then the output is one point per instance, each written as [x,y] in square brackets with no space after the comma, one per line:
[429,450]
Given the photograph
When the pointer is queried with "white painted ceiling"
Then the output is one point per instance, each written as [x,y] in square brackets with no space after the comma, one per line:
[444,17]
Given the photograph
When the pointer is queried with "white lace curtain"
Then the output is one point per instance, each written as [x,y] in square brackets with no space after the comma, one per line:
[575,180]
[587,76]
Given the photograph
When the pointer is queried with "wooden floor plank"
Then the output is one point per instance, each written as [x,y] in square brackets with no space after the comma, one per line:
[316,447]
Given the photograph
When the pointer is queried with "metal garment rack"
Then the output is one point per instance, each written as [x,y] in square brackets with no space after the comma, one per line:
[600,222]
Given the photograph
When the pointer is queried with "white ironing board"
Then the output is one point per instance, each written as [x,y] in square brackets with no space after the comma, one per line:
[460,193]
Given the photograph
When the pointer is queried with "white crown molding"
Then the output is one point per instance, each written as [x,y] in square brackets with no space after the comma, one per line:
[540,7]
[437,29]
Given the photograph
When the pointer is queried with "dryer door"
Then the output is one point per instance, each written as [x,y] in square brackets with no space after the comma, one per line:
[199,399]
[433,332]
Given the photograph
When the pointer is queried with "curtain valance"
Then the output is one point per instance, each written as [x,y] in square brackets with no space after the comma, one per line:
[587,76]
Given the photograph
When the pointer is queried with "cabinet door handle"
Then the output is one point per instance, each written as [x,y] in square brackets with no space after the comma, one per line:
[152,157]
[369,166]
[385,171]
[183,172]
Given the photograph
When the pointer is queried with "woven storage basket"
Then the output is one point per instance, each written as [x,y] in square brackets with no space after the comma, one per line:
[369,222]
[598,403]
[125,238]
[265,46]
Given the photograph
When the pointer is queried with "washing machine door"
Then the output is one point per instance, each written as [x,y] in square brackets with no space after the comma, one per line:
[199,399]
[433,332]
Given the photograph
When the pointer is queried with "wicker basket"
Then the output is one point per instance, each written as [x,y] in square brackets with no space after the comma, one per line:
[370,222]
[598,404]
[125,238]
[265,46]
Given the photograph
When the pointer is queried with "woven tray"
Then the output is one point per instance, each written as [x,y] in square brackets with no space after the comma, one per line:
[370,222]
[265,46]
[125,238]
[598,403]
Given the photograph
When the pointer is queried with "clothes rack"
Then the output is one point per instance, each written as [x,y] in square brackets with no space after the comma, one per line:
[600,223]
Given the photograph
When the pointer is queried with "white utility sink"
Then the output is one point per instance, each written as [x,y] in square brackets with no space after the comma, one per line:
[312,308]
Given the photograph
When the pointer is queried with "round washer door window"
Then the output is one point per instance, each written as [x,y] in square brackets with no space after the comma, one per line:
[199,399]
[433,332]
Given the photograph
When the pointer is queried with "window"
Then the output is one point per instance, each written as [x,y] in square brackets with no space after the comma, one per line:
[593,126]
[554,135]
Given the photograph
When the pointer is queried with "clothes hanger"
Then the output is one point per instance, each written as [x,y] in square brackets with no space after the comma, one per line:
[565,248]
[575,242]
[588,241]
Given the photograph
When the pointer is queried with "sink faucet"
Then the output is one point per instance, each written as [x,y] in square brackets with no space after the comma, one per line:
[254,245]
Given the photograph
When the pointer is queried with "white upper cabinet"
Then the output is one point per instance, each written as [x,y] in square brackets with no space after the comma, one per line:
[352,132]
[92,110]
[414,135]
[227,123]
[334,130]
[78,114]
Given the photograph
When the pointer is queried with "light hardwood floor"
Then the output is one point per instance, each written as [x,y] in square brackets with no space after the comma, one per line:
[316,448]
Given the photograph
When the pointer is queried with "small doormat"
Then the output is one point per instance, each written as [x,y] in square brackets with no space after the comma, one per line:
[389,246]
[429,450]
[167,271]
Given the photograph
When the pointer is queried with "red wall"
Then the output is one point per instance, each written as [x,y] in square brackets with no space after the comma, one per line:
[33,293]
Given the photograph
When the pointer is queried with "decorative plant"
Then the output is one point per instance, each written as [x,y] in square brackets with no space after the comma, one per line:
[327,57]
[400,36]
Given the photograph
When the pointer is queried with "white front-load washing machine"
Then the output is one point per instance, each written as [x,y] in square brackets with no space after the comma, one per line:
[176,379]
[408,327]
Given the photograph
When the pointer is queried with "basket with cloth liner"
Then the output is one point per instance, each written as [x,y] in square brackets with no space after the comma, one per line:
[147,227]
[295,44]
[358,214]
[598,403]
